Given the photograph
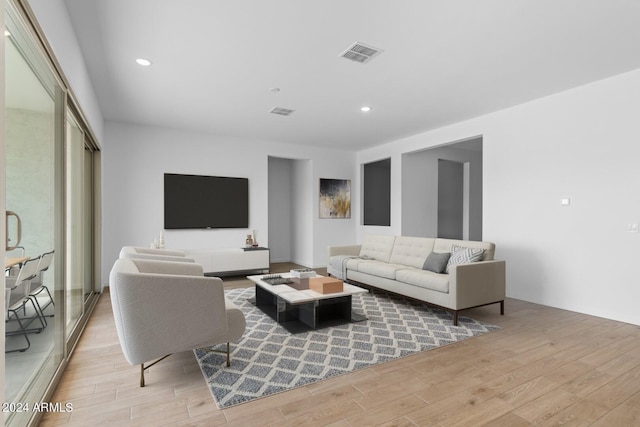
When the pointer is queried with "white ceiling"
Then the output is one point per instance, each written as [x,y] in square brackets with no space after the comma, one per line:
[214,61]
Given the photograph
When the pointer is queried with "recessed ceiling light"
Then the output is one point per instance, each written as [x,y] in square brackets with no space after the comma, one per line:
[7,33]
[365,109]
[143,62]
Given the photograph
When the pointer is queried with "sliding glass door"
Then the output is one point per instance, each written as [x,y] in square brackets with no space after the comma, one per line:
[32,138]
[50,164]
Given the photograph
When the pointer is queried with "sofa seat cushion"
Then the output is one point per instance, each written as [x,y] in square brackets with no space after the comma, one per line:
[353,263]
[424,279]
[380,269]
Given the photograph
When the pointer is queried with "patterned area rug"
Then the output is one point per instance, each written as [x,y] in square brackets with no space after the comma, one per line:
[269,359]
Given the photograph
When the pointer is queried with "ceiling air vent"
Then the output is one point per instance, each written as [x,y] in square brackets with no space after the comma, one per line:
[281,111]
[360,52]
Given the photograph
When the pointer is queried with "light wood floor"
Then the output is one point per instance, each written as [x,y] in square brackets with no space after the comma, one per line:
[545,367]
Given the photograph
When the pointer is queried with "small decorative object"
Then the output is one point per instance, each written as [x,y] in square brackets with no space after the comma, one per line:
[255,238]
[161,240]
[302,273]
[335,198]
[158,242]
[249,241]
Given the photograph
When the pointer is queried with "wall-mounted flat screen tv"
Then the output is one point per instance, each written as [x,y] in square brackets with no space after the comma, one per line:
[196,201]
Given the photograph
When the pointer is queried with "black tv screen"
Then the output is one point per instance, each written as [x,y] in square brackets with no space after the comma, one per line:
[196,201]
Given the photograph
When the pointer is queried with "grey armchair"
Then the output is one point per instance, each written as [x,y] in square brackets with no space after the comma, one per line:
[167,307]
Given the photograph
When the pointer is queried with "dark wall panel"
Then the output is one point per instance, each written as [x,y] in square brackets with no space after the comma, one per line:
[377,193]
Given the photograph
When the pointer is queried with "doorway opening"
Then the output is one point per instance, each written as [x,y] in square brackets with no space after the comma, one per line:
[442,191]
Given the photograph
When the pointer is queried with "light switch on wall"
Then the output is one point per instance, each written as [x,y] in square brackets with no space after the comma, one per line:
[565,201]
[632,227]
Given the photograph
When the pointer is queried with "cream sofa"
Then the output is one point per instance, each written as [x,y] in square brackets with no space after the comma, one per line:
[397,264]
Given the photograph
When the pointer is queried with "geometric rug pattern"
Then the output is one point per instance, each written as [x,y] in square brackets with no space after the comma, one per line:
[269,359]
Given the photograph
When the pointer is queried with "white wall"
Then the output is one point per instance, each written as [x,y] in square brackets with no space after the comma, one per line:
[136,157]
[54,20]
[581,144]
[335,231]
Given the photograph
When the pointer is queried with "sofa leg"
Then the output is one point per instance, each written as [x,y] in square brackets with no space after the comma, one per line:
[455,318]
[502,308]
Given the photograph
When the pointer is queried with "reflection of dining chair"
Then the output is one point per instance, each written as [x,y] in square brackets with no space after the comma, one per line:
[9,310]
[17,294]
[37,283]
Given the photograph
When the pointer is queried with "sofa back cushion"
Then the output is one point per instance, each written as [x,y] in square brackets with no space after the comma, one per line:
[377,247]
[444,245]
[411,251]
[128,250]
[142,266]
[168,267]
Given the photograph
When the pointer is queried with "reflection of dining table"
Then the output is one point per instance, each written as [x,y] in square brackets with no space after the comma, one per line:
[13,261]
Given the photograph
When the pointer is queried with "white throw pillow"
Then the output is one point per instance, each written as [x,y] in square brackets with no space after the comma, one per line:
[462,255]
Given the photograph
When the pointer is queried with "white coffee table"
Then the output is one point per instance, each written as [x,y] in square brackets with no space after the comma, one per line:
[292,302]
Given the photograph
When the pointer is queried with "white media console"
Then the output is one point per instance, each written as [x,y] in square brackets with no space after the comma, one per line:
[232,260]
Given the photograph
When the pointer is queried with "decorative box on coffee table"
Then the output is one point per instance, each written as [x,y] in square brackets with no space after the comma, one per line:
[326,285]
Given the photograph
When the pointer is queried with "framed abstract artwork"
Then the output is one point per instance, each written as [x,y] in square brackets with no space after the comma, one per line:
[335,198]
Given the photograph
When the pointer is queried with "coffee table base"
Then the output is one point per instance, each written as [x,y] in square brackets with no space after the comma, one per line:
[308,315]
